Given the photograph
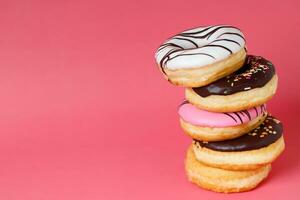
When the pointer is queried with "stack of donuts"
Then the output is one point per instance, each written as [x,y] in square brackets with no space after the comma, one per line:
[235,138]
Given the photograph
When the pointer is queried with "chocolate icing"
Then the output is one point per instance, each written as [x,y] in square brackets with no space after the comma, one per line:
[255,73]
[267,133]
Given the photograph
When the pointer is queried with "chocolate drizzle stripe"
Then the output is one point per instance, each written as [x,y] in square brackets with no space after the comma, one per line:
[247,113]
[227,40]
[185,39]
[168,45]
[256,111]
[263,108]
[219,29]
[166,57]
[191,54]
[243,114]
[238,117]
[231,33]
[205,35]
[231,117]
[214,45]
[261,111]
[197,32]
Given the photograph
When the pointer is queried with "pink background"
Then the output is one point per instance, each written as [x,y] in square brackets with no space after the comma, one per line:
[86,114]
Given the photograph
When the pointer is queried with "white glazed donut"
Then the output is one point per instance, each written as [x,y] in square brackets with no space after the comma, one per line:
[200,48]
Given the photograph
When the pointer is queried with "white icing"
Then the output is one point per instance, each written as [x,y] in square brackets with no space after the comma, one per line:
[184,50]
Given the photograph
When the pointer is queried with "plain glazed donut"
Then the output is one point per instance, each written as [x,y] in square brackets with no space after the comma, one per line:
[252,85]
[212,126]
[199,56]
[220,180]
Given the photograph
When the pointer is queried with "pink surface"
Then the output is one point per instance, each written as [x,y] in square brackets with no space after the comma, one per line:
[86,114]
[196,116]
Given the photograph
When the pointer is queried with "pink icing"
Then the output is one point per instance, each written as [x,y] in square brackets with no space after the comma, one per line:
[196,116]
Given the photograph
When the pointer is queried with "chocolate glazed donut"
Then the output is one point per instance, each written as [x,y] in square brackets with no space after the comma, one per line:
[255,73]
[267,133]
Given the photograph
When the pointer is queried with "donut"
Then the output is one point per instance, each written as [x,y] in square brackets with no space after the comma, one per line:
[220,180]
[199,56]
[252,85]
[213,126]
[255,149]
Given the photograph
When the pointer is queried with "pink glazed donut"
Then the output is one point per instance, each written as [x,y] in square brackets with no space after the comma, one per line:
[215,126]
